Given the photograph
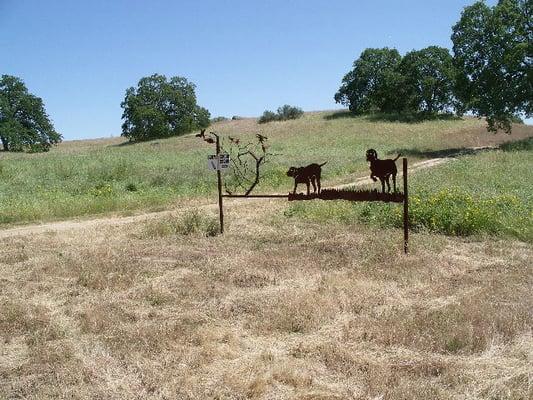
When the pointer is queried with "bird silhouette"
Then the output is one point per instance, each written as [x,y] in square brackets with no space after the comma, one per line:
[261,138]
[201,134]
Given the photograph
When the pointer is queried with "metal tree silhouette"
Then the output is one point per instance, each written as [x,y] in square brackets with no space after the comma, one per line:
[246,161]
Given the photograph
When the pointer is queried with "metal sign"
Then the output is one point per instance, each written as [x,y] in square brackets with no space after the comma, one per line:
[215,163]
[223,160]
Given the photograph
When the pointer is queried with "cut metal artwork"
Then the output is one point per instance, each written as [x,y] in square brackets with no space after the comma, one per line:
[382,169]
[308,175]
[247,159]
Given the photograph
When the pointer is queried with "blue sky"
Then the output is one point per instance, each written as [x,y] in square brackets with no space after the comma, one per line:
[244,56]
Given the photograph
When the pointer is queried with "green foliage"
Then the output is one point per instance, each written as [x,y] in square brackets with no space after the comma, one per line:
[284,113]
[382,81]
[161,107]
[24,124]
[519,145]
[429,77]
[218,119]
[268,116]
[493,50]
[369,86]
[287,112]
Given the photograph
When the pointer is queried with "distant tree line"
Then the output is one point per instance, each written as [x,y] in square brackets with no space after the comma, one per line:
[490,73]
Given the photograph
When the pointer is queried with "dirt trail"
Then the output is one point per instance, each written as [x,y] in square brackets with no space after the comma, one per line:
[120,220]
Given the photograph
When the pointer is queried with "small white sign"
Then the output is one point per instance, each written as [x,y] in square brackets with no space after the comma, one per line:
[222,162]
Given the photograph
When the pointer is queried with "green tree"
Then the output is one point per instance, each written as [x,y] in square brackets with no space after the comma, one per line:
[429,77]
[24,124]
[493,53]
[161,107]
[287,112]
[372,82]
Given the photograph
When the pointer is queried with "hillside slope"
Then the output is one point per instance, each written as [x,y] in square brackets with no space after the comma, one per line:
[100,176]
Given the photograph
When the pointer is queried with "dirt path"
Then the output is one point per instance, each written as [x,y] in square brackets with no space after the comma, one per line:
[120,220]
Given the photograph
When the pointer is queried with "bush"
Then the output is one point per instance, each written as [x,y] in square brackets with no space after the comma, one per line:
[289,112]
[267,117]
[448,211]
[518,145]
[284,113]
[218,119]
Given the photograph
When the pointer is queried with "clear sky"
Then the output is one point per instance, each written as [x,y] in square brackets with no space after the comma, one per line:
[243,56]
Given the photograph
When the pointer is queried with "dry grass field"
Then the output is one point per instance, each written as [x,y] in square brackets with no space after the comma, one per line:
[270,310]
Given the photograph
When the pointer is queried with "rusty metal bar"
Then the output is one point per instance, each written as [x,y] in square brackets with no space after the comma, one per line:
[257,196]
[219,181]
[405,209]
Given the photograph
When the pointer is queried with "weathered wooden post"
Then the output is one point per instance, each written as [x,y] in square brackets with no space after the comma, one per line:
[219,179]
[405,208]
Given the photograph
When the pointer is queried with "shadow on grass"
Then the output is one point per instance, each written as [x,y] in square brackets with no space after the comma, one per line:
[455,152]
[516,145]
[154,142]
[350,195]
[393,117]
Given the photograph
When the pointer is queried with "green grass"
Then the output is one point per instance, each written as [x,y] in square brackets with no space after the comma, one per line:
[488,193]
[83,178]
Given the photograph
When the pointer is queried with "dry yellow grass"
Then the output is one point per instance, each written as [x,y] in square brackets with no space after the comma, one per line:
[268,311]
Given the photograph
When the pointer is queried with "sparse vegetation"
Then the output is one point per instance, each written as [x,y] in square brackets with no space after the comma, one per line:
[190,223]
[284,113]
[268,310]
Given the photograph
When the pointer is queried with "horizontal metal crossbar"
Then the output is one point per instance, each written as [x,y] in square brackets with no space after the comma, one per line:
[256,196]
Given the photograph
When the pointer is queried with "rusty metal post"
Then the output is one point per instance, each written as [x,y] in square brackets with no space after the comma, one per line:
[405,208]
[219,179]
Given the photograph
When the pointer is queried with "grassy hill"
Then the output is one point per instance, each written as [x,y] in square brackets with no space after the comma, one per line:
[81,178]
[308,300]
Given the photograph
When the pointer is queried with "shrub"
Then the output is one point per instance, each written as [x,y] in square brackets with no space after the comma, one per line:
[518,145]
[284,113]
[267,117]
[448,211]
[218,119]
[289,112]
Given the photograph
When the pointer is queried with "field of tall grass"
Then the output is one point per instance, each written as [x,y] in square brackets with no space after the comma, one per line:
[270,310]
[81,178]
[486,193]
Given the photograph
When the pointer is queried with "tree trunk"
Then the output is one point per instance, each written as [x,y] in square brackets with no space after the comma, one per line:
[5,143]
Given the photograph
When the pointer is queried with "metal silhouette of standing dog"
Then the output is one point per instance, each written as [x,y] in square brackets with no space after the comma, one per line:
[309,175]
[382,169]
